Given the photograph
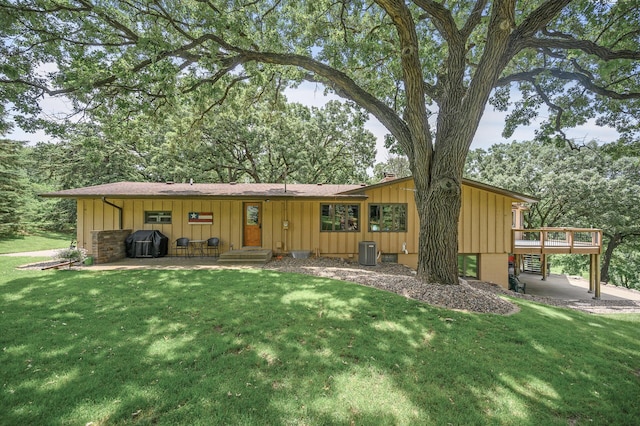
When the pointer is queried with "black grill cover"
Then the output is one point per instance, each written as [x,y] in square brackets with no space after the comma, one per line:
[147,244]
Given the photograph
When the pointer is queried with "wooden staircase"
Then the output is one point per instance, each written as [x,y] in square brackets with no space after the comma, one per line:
[245,257]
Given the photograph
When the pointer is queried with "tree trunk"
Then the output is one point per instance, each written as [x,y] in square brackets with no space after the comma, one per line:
[438,239]
[439,191]
[614,242]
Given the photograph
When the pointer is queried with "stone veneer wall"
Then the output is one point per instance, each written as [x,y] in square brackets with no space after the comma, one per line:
[108,246]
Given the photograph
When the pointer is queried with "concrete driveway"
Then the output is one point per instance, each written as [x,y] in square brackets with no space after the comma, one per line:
[41,253]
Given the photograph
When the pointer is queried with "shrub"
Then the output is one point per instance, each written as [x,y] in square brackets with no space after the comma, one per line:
[72,254]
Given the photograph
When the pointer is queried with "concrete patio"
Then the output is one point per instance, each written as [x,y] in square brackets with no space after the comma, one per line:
[573,288]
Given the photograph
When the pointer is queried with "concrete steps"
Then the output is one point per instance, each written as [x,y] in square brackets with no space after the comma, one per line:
[245,257]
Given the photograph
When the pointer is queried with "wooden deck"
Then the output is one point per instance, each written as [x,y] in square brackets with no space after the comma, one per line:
[545,241]
[556,241]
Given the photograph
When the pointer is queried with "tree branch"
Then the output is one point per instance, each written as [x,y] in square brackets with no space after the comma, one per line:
[126,31]
[441,18]
[559,112]
[182,52]
[474,18]
[415,113]
[496,56]
[580,78]
[568,43]
[340,82]
[219,101]
[539,18]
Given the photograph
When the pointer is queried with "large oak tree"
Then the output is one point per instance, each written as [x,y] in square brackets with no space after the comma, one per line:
[425,69]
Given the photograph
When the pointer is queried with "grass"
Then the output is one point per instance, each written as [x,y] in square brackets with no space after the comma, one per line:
[35,242]
[259,347]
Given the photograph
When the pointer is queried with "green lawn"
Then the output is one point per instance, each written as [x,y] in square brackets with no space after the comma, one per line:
[260,347]
[35,242]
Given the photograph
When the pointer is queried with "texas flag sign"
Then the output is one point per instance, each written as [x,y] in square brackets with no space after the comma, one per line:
[200,218]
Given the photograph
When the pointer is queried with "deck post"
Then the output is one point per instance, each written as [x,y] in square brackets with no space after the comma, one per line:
[592,275]
[596,267]
[543,266]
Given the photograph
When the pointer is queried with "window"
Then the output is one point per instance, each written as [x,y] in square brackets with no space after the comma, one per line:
[388,217]
[468,265]
[339,217]
[157,217]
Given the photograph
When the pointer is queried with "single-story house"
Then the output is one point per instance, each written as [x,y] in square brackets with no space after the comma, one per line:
[329,220]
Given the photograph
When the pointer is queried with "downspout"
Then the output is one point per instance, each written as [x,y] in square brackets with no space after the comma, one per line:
[104,200]
[286,231]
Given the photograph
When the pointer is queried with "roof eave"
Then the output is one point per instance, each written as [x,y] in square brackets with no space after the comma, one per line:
[465,181]
[207,196]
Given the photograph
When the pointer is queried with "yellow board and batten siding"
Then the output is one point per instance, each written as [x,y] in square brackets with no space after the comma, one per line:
[483,227]
[485,222]
[93,214]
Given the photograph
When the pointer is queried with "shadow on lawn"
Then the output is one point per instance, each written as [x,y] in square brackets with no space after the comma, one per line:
[260,347]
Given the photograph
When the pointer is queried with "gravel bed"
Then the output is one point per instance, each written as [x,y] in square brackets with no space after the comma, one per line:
[472,296]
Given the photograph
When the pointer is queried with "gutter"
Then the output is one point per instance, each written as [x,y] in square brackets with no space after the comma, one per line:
[104,200]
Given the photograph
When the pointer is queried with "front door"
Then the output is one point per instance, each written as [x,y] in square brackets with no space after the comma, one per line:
[252,225]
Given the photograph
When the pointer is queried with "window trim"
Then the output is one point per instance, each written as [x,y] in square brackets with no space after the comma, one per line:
[394,220]
[159,214]
[357,218]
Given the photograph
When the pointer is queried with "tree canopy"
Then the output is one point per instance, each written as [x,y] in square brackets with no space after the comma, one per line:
[425,69]
[12,186]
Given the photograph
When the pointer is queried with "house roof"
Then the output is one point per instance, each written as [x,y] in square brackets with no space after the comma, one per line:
[245,190]
[468,182]
[512,194]
[201,190]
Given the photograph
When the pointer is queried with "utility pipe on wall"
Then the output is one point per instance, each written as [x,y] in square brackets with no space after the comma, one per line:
[104,200]
[286,230]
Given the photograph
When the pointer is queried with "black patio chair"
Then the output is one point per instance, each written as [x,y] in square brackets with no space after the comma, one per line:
[182,244]
[213,245]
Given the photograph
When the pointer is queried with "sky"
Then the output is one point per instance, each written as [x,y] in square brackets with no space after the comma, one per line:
[489,132]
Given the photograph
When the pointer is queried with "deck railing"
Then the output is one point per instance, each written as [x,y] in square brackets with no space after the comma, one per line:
[556,240]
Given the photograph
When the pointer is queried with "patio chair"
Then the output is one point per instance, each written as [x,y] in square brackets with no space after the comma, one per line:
[182,244]
[213,245]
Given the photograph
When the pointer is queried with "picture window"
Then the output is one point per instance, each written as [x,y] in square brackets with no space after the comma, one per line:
[387,217]
[339,217]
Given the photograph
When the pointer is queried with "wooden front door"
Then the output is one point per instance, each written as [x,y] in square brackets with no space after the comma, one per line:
[252,225]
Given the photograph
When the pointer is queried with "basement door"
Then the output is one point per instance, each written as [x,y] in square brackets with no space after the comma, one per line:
[252,233]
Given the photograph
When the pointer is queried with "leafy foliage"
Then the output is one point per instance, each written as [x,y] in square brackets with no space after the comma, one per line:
[257,140]
[12,187]
[396,165]
[72,254]
[625,267]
